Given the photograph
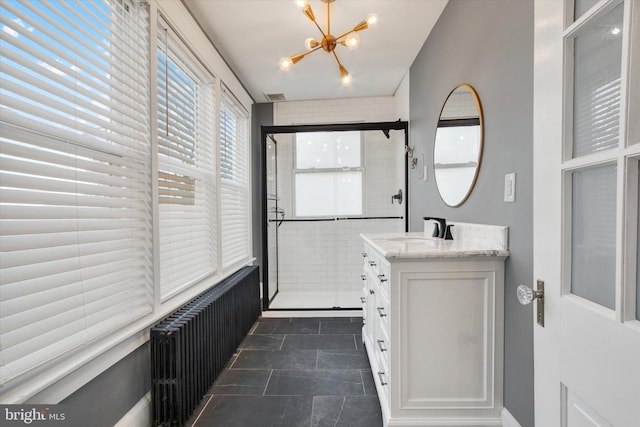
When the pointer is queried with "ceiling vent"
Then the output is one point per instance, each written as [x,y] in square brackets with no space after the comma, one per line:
[275,97]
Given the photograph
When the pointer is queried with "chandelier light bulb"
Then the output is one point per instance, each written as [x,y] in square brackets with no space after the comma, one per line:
[311,43]
[301,3]
[352,41]
[345,77]
[285,64]
[372,18]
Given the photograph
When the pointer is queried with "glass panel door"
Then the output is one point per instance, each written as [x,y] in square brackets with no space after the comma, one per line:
[585,213]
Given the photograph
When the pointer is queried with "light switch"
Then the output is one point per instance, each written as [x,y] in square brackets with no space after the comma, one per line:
[510,187]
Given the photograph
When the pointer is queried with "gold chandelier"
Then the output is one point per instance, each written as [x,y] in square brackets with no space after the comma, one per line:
[329,42]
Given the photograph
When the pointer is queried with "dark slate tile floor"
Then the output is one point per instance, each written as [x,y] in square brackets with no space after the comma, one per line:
[295,372]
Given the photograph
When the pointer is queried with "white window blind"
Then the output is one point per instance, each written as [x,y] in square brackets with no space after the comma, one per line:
[234,178]
[75,189]
[186,166]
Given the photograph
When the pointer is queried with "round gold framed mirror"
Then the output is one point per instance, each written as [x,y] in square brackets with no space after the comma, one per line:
[457,152]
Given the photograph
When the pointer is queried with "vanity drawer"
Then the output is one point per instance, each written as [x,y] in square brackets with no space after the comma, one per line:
[383,377]
[378,267]
[382,313]
[382,347]
[363,301]
[383,277]
[371,260]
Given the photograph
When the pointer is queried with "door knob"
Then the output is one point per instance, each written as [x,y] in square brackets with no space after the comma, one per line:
[526,295]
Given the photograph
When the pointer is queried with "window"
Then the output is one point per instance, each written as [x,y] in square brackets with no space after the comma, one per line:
[329,174]
[75,189]
[186,166]
[234,181]
[93,175]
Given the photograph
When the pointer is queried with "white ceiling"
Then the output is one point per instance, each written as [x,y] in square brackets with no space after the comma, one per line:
[252,36]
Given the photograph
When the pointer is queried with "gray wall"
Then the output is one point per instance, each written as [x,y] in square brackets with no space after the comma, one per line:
[488,44]
[107,398]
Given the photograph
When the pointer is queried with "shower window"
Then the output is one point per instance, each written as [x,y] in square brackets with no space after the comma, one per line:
[328,176]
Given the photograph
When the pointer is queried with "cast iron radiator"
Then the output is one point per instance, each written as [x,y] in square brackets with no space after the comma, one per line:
[191,347]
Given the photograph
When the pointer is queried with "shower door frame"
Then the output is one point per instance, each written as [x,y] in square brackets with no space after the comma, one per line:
[265,131]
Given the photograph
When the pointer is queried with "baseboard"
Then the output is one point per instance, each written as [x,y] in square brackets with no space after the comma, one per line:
[509,420]
[139,415]
[312,313]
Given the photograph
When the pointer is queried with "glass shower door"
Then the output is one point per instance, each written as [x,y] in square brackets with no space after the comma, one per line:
[273,215]
[333,186]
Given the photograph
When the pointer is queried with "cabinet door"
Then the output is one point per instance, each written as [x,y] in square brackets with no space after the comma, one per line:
[446,325]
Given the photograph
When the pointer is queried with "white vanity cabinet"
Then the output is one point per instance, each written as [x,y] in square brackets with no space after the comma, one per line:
[433,330]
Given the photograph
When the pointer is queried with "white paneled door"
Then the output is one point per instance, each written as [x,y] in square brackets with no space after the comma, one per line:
[586,227]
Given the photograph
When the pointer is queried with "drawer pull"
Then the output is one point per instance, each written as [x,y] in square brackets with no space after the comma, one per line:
[371,292]
[381,311]
[364,254]
[382,277]
[381,376]
[382,348]
[372,263]
[363,277]
[363,299]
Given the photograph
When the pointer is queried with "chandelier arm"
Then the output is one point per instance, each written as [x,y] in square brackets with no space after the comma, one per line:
[312,50]
[328,17]
[336,56]
[306,52]
[344,35]
[320,28]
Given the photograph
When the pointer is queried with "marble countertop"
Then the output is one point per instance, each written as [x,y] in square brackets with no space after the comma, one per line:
[488,242]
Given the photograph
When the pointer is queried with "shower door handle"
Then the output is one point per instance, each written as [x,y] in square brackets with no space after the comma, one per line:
[397,197]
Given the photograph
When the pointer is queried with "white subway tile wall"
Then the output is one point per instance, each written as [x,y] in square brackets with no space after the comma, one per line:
[347,110]
[326,255]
